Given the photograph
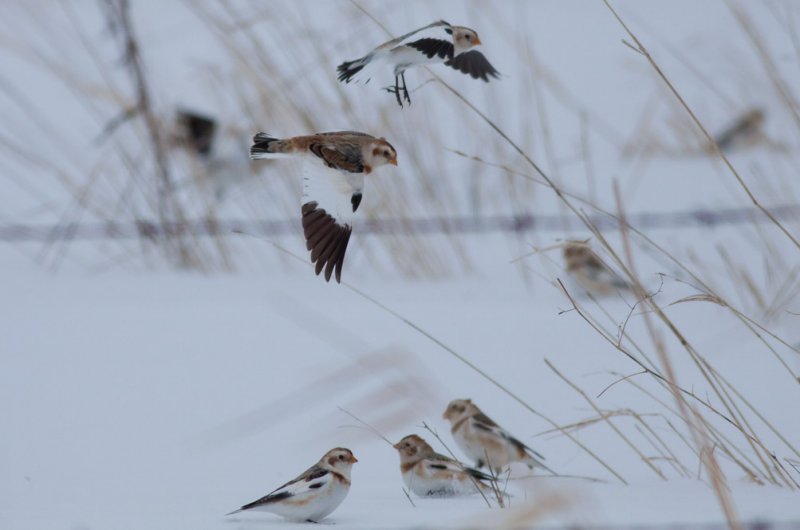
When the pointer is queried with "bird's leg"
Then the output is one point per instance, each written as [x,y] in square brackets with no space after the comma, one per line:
[405,88]
[395,89]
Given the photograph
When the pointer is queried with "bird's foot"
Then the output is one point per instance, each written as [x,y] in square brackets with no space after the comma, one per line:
[396,91]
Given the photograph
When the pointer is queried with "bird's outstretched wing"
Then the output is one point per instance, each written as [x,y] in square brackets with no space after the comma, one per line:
[303,486]
[330,198]
[474,64]
[352,70]
[433,47]
[399,40]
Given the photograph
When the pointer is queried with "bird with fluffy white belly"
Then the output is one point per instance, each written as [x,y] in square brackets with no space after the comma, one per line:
[428,474]
[314,494]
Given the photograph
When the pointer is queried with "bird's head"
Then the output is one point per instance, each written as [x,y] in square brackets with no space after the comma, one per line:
[380,152]
[339,459]
[458,409]
[463,38]
[412,448]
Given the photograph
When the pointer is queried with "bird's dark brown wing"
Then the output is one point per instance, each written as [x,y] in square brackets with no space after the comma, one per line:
[326,238]
[474,64]
[284,492]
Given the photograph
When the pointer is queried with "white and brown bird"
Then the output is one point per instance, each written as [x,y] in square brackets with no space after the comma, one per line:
[316,493]
[589,271]
[428,474]
[335,164]
[404,52]
[485,442]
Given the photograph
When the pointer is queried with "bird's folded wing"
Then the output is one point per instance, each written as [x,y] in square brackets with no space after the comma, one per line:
[487,426]
[473,63]
[337,156]
[304,485]
[329,199]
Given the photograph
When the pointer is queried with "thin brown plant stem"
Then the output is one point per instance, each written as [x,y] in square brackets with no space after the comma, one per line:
[662,444]
[640,48]
[722,441]
[700,363]
[766,60]
[607,419]
[693,419]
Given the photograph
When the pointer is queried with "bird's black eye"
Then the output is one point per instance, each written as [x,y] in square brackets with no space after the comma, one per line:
[386,153]
[468,37]
[341,457]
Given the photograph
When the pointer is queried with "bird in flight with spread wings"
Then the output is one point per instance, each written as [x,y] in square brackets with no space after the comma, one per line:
[404,52]
[334,166]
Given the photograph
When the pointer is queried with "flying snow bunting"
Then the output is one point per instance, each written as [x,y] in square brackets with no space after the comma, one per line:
[486,442]
[314,494]
[427,473]
[333,182]
[589,271]
[403,53]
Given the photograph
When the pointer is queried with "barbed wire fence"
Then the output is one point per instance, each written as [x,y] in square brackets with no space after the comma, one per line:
[152,229]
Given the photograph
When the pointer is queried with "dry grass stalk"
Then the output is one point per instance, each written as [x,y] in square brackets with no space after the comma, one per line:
[640,48]
[693,419]
[607,419]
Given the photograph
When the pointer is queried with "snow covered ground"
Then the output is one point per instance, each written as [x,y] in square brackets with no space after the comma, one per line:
[139,397]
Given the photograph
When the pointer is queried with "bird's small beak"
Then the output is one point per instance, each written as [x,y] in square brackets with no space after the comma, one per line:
[393,161]
[354,460]
[397,446]
[444,416]
[477,41]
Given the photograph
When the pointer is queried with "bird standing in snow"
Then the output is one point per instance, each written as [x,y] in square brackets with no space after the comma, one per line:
[403,53]
[429,474]
[486,442]
[314,494]
[333,183]
[589,271]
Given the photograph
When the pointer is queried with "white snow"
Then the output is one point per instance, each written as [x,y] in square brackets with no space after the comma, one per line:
[136,397]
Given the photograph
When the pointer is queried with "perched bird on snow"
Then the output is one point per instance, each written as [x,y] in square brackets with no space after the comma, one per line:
[333,183]
[589,271]
[429,474]
[403,53]
[314,494]
[486,442]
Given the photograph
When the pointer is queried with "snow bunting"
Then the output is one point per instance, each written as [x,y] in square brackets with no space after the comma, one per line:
[486,442]
[196,131]
[589,271]
[429,474]
[745,131]
[403,53]
[314,494]
[331,196]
